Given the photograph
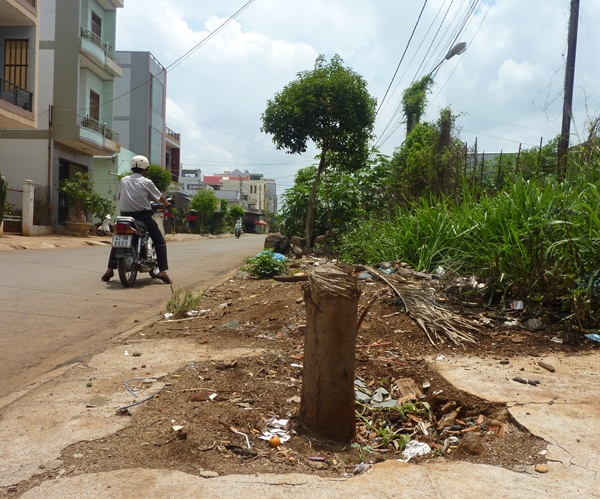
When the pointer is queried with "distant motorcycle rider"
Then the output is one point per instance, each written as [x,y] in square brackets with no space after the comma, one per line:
[136,193]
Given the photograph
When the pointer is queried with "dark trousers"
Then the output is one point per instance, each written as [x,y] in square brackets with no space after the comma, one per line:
[157,238]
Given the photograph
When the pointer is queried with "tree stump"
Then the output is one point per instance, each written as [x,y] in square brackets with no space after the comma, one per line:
[327,404]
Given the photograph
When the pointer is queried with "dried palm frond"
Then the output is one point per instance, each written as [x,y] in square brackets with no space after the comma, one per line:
[437,321]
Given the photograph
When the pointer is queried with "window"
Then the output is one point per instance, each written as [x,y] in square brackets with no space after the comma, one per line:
[16,55]
[94,106]
[96,24]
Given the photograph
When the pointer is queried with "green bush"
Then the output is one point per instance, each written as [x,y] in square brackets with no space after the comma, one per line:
[183,301]
[265,265]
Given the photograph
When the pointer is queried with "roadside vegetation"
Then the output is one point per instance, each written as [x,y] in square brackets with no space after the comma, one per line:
[524,229]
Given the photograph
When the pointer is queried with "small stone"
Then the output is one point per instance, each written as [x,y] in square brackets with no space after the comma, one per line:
[137,354]
[534,325]
[505,362]
[541,468]
[208,474]
[471,444]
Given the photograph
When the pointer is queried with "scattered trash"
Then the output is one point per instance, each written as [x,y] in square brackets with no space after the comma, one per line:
[179,433]
[556,339]
[168,315]
[125,408]
[360,468]
[440,358]
[319,459]
[534,325]
[275,441]
[516,305]
[295,399]
[243,434]
[276,427]
[548,367]
[593,337]
[414,449]
[126,352]
[212,396]
[364,275]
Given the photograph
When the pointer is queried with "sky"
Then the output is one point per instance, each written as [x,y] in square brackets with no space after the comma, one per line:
[506,87]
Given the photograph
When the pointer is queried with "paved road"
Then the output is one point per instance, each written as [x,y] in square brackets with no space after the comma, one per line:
[54,307]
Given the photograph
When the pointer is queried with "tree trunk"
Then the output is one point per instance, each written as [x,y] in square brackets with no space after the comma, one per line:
[310,214]
[327,404]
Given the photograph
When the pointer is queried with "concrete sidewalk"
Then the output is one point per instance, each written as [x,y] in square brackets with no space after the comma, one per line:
[15,242]
[51,414]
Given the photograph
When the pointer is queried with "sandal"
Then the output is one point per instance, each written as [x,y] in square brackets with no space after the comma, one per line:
[108,275]
[164,277]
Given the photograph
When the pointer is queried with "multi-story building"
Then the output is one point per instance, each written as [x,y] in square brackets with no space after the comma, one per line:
[77,66]
[173,155]
[140,105]
[19,35]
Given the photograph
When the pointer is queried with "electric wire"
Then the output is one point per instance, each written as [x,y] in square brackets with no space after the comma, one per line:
[402,58]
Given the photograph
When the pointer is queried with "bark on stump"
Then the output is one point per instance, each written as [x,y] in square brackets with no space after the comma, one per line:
[327,405]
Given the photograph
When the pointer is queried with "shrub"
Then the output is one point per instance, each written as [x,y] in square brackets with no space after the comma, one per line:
[266,264]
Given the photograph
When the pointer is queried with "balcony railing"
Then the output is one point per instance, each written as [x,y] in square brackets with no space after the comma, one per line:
[173,135]
[16,95]
[96,126]
[105,47]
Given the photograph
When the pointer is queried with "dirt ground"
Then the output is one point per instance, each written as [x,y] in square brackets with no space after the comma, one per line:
[210,400]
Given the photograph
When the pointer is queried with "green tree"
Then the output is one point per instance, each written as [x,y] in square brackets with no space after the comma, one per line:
[341,198]
[414,101]
[204,203]
[158,175]
[329,105]
[236,212]
[220,217]
[429,162]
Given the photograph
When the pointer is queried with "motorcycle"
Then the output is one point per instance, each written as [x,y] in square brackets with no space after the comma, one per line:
[238,232]
[134,249]
[106,227]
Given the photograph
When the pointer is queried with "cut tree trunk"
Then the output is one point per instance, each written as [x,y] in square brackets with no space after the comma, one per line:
[310,212]
[327,404]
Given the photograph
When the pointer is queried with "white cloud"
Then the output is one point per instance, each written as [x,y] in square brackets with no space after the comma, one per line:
[507,83]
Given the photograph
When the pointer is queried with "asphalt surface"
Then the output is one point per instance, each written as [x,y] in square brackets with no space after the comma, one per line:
[56,309]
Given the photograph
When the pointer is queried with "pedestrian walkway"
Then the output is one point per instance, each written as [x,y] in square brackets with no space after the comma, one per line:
[16,242]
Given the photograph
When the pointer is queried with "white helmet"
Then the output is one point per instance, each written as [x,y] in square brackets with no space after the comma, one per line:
[140,162]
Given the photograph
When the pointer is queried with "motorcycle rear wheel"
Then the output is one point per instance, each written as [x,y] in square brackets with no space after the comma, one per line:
[127,270]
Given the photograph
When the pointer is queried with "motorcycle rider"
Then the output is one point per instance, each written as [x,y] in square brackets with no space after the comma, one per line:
[136,193]
[238,227]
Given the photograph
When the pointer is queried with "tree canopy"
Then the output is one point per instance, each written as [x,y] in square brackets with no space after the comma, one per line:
[329,105]
[204,203]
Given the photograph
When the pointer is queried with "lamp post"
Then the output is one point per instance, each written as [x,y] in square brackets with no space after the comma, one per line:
[458,49]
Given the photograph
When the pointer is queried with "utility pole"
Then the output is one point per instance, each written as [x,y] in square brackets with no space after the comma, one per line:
[563,145]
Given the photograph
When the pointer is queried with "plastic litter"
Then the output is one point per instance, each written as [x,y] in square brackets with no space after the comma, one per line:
[593,337]
[414,449]
[516,305]
[276,427]
[364,275]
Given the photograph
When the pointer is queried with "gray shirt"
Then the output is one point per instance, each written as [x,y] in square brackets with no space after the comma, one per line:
[137,192]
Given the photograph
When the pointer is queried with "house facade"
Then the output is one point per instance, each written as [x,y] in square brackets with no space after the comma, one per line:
[76,68]
[19,35]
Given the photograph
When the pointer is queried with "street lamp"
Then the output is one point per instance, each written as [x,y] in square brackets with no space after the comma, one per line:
[458,49]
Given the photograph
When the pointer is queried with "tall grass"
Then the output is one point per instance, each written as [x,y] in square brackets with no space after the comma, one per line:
[532,241]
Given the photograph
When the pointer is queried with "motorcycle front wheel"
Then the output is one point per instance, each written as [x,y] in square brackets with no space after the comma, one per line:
[127,270]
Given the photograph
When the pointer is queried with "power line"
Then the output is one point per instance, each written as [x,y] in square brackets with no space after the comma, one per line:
[402,58]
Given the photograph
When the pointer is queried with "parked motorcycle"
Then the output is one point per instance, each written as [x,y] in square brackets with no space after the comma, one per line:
[135,250]
[106,227]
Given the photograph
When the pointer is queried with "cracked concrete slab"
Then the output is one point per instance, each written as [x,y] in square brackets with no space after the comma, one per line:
[57,413]
[564,410]
[391,479]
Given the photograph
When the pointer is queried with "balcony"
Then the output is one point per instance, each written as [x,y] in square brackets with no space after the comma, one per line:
[100,52]
[16,95]
[96,138]
[16,106]
[173,136]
